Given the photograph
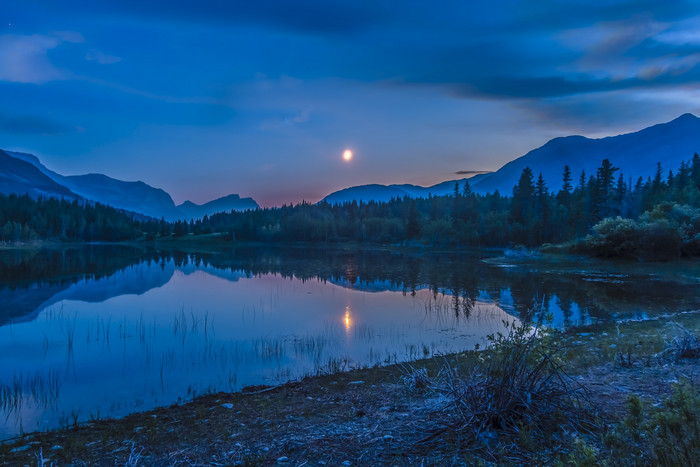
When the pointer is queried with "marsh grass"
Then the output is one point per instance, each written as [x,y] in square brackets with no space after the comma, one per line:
[41,388]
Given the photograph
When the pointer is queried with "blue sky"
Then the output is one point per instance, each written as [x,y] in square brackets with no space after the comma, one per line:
[206,98]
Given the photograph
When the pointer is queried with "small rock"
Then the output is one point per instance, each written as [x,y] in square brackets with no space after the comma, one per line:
[282,460]
[356,382]
[347,463]
[309,398]
[388,437]
[56,448]
[227,406]
[20,448]
[266,449]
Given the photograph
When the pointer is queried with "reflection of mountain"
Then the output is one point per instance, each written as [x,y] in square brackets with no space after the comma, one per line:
[24,302]
[373,286]
[31,280]
[133,280]
[574,291]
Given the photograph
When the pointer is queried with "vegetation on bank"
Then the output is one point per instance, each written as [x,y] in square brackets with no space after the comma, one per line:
[604,214]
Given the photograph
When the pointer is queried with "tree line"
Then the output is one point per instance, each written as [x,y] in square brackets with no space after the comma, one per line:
[603,213]
[530,216]
[24,219]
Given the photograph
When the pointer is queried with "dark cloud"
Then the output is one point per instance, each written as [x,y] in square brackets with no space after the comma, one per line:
[329,17]
[31,125]
[618,109]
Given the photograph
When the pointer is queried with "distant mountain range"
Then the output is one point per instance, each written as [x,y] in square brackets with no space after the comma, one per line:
[636,154]
[383,193]
[227,203]
[24,174]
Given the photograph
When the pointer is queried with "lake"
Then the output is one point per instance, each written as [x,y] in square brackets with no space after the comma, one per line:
[104,331]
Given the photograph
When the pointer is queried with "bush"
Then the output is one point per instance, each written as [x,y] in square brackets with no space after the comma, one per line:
[665,233]
[665,435]
[519,394]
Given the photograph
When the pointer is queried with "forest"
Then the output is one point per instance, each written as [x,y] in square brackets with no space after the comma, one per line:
[23,219]
[603,214]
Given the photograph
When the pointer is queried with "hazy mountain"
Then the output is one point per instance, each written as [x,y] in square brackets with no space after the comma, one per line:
[132,196]
[383,193]
[21,177]
[23,173]
[636,154]
[225,204]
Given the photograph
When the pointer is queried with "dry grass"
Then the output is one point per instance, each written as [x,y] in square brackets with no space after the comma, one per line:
[684,344]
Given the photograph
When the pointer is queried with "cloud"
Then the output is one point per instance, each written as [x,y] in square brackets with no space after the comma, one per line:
[627,110]
[31,125]
[69,36]
[328,17]
[24,59]
[101,58]
[471,172]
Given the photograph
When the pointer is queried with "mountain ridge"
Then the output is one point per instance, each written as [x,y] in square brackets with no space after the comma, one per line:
[134,196]
[636,155]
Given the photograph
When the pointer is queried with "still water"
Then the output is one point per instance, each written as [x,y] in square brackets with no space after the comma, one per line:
[104,331]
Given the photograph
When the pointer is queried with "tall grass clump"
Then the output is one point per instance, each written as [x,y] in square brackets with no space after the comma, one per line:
[684,344]
[517,395]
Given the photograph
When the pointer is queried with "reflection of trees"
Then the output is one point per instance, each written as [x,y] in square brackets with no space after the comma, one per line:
[533,286]
[464,276]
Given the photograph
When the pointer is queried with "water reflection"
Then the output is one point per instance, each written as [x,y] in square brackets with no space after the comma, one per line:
[105,331]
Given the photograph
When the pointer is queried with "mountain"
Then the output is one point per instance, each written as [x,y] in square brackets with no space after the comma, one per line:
[636,154]
[225,204]
[130,196]
[384,193]
[21,177]
[24,173]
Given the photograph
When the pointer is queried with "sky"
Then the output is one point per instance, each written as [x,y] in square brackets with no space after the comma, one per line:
[261,98]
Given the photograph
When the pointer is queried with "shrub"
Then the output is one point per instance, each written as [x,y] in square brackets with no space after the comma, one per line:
[519,392]
[665,435]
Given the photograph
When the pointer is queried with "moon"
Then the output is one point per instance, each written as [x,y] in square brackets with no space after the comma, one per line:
[347,155]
